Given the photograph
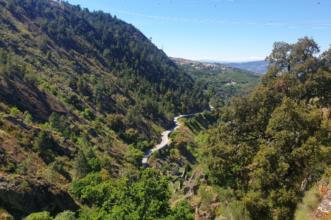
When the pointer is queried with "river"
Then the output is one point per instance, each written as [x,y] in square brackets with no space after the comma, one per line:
[165,140]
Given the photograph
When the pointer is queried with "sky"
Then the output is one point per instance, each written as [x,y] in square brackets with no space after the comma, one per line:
[222,30]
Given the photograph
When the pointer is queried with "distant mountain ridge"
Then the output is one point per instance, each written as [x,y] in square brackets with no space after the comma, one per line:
[212,65]
[259,67]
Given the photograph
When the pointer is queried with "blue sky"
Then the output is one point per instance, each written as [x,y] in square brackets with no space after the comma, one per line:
[222,30]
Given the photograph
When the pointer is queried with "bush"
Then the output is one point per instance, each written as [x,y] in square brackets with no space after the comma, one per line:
[14,111]
[27,118]
[67,215]
[309,203]
[81,165]
[39,216]
[234,210]
[88,114]
[134,156]
[143,145]
[85,189]
[182,211]
[43,144]
[115,122]
[131,135]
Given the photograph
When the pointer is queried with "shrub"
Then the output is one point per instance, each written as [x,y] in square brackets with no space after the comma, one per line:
[134,156]
[81,165]
[67,215]
[39,216]
[181,211]
[43,144]
[27,118]
[14,111]
[88,114]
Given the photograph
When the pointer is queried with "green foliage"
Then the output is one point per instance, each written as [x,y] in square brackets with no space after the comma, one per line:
[142,196]
[14,111]
[27,118]
[67,215]
[24,166]
[269,146]
[44,145]
[134,156]
[55,121]
[235,210]
[108,83]
[39,216]
[88,114]
[81,165]
[143,145]
[123,60]
[93,161]
[89,84]
[116,122]
[308,205]
[181,211]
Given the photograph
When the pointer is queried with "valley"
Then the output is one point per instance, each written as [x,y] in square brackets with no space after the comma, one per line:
[219,81]
[165,141]
[165,135]
[97,122]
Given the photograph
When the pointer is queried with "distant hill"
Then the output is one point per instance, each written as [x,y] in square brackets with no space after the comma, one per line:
[259,67]
[219,81]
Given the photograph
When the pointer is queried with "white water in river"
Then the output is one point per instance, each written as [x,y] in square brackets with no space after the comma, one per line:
[165,141]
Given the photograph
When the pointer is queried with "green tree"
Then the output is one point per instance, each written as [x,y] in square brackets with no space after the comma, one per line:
[181,211]
[44,144]
[134,156]
[81,165]
[136,196]
[27,118]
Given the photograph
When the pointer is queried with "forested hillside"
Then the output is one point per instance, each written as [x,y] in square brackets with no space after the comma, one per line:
[219,81]
[269,154]
[273,145]
[81,93]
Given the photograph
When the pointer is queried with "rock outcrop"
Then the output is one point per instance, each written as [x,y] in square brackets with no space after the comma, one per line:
[20,196]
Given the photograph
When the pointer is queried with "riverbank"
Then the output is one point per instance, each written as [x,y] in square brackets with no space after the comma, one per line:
[165,140]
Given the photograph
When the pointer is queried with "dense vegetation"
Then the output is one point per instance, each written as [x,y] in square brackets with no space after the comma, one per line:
[273,145]
[269,155]
[84,94]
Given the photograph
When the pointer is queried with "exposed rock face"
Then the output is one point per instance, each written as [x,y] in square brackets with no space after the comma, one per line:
[22,197]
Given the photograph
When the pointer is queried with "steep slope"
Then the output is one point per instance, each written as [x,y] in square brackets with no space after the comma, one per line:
[80,92]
